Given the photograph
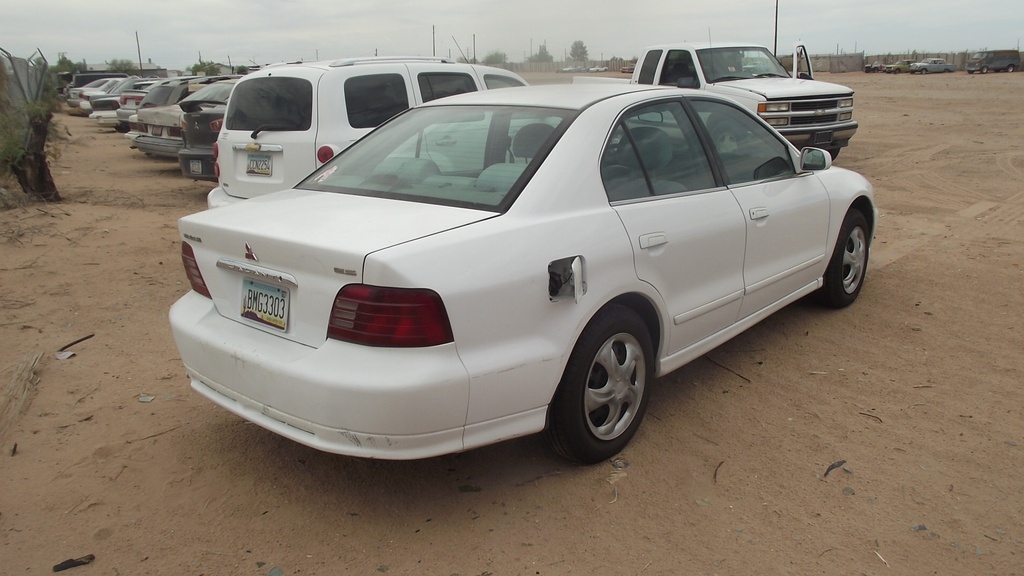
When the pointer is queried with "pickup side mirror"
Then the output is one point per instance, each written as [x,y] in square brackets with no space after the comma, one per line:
[814,159]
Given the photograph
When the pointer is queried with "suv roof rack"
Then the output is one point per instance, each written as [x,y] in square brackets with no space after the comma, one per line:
[373,59]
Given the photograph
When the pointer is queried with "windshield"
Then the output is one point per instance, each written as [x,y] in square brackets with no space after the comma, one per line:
[467,156]
[721,64]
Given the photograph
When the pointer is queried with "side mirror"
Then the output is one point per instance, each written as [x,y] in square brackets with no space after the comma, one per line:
[814,159]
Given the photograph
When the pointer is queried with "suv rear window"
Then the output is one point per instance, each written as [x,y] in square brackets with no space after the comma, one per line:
[272,103]
[495,81]
[374,98]
[434,86]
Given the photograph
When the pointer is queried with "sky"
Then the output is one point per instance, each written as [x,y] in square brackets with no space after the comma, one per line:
[176,33]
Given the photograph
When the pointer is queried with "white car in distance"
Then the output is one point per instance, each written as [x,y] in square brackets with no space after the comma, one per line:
[507,262]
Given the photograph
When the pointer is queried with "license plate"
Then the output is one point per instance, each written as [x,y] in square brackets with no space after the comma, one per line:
[823,137]
[259,165]
[265,304]
[195,166]
[156,130]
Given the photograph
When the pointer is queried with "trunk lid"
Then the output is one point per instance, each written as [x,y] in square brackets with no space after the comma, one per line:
[301,247]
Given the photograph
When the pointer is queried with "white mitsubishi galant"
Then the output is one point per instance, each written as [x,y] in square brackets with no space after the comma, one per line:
[501,263]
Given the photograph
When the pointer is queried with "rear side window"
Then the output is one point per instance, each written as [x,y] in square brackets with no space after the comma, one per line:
[271,103]
[434,86]
[493,81]
[649,66]
[375,98]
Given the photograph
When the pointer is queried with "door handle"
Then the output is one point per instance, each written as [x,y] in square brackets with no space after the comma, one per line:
[758,213]
[652,240]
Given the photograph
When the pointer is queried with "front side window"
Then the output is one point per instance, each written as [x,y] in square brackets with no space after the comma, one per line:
[654,151]
[271,103]
[371,100]
[749,151]
[469,156]
[439,85]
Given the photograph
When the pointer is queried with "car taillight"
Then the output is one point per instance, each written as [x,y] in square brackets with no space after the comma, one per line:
[324,154]
[216,124]
[389,317]
[195,277]
[174,131]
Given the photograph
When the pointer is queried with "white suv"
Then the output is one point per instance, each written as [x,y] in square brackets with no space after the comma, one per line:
[286,120]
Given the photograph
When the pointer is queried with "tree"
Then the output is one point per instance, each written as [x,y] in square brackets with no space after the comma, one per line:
[64,64]
[27,101]
[207,68]
[123,65]
[243,70]
[578,51]
[495,57]
[542,55]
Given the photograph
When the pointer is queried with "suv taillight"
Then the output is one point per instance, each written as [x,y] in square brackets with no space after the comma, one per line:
[324,153]
[216,124]
[389,317]
[195,277]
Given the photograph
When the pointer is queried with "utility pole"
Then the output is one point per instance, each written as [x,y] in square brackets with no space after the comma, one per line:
[775,48]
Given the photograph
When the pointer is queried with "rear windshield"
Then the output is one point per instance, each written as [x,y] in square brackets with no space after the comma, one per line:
[277,103]
[468,156]
[158,95]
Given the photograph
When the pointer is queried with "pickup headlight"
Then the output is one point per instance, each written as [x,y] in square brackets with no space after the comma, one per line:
[772,107]
[845,116]
[777,121]
[846,103]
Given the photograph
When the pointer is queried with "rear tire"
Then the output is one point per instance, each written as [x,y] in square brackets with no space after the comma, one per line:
[1011,68]
[848,266]
[984,69]
[602,397]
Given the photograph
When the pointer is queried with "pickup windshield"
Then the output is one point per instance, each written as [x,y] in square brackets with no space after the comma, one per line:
[739,63]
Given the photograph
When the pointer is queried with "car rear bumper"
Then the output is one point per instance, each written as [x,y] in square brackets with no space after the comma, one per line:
[340,398]
[105,118]
[158,146]
[197,163]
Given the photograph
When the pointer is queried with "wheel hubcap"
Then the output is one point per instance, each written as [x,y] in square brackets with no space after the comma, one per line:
[854,260]
[615,386]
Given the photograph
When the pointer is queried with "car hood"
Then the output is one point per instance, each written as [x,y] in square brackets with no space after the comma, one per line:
[776,88]
[312,243]
[161,115]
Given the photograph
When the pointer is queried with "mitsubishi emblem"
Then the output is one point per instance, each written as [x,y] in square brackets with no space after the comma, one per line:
[249,255]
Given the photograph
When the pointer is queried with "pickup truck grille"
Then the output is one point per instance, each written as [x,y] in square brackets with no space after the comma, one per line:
[811,105]
[811,120]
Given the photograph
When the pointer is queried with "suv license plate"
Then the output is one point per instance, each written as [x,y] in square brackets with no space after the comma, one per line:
[265,304]
[195,166]
[259,165]
[823,137]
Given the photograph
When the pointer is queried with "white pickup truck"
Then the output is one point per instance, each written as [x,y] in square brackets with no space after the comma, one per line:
[807,112]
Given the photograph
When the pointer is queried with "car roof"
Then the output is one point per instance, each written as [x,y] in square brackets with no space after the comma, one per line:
[567,96]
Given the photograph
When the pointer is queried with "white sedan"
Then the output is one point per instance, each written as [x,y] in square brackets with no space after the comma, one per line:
[507,262]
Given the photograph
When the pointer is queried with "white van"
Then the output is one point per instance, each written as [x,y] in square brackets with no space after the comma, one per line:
[286,120]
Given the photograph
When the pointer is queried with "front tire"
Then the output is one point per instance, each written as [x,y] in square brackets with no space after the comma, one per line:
[602,397]
[848,266]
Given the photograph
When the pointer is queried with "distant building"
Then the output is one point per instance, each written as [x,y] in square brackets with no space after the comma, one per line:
[149,69]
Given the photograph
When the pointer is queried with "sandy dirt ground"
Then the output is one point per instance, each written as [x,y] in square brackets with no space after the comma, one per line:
[917,387]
